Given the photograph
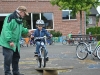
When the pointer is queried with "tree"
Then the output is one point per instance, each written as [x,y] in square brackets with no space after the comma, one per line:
[77,6]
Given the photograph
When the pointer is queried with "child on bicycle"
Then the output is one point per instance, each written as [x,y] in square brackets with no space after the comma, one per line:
[40,32]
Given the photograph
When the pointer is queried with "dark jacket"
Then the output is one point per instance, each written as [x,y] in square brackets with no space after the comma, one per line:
[44,32]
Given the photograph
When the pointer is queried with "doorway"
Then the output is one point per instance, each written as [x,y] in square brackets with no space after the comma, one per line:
[1,22]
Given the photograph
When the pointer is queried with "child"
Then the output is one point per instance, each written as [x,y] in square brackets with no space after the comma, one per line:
[40,32]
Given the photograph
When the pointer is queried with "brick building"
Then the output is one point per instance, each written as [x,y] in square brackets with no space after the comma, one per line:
[55,19]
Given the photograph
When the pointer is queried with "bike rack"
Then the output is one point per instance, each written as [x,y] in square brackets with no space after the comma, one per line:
[51,70]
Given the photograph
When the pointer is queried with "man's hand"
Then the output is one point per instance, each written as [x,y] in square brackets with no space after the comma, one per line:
[30,32]
[11,44]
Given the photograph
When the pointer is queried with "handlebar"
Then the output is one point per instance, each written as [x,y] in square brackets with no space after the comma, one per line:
[39,38]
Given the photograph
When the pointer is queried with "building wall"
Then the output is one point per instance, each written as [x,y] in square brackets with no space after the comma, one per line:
[38,6]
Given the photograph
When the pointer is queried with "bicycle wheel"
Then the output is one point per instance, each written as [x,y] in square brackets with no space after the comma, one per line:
[39,61]
[98,52]
[64,42]
[43,57]
[52,43]
[81,51]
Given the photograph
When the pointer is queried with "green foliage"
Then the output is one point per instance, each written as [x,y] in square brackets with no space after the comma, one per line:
[76,6]
[25,24]
[56,33]
[24,35]
[95,31]
[97,36]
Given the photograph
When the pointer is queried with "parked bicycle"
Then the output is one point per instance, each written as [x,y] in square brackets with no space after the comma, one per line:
[67,41]
[83,50]
[41,57]
[22,42]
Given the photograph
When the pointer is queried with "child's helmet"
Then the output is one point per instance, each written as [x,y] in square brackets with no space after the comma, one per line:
[40,22]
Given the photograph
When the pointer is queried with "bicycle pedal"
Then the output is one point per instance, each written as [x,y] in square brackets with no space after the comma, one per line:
[36,55]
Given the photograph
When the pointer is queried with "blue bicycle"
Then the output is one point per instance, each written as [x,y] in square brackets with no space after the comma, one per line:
[41,57]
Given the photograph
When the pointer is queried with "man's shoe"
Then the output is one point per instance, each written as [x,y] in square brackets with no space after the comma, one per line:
[18,74]
[8,74]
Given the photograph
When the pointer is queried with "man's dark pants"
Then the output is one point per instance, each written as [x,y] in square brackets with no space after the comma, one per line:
[11,57]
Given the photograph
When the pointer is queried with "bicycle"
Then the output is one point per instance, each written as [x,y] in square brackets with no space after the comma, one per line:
[83,50]
[67,41]
[22,42]
[41,57]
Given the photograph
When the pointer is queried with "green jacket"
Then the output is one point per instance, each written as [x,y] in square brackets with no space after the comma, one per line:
[11,32]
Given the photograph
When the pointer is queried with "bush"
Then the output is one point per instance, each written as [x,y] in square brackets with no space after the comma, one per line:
[97,36]
[55,33]
[93,30]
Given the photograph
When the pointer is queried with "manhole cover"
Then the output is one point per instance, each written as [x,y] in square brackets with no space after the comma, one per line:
[94,66]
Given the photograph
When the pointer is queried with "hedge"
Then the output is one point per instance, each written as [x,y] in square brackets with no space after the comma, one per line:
[95,31]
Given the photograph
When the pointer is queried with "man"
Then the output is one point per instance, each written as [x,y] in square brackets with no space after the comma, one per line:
[9,39]
[40,32]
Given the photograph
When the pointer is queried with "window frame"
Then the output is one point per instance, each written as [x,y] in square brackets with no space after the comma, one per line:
[69,11]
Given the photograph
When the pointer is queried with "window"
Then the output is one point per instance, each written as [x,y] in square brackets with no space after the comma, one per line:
[48,20]
[66,14]
[33,17]
[90,20]
[27,21]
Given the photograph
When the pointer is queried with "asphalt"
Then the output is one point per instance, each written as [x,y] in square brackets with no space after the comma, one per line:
[60,56]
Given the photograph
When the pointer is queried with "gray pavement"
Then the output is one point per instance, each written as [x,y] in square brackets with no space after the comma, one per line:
[59,56]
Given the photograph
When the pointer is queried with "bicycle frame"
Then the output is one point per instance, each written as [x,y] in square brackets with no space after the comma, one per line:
[42,53]
[89,49]
[83,49]
[41,47]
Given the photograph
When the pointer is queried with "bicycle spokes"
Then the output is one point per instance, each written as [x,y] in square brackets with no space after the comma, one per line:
[81,51]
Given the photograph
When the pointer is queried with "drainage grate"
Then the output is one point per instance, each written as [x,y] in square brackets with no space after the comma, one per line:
[94,66]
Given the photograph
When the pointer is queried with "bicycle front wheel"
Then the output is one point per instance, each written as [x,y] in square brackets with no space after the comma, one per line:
[81,51]
[43,56]
[39,61]
[98,53]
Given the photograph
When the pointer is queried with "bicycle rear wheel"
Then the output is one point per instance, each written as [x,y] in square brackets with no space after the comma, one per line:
[98,52]
[43,56]
[81,51]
